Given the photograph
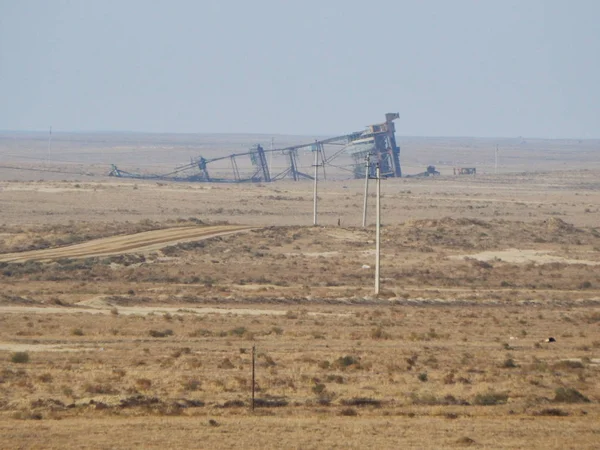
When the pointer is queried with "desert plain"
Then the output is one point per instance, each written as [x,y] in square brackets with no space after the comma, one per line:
[130,309]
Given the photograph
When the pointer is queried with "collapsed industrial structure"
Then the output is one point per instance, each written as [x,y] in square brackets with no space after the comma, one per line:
[376,141]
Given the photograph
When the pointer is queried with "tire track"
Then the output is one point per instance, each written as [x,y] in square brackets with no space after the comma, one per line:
[133,243]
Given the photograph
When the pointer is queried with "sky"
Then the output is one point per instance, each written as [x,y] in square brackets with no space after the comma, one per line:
[487,68]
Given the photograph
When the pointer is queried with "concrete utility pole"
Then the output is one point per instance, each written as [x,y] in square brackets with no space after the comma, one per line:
[315,189]
[367,174]
[49,144]
[271,156]
[378,231]
[496,163]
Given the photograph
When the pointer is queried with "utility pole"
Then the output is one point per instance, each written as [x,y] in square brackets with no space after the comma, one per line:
[496,164]
[367,174]
[49,143]
[271,156]
[378,231]
[316,152]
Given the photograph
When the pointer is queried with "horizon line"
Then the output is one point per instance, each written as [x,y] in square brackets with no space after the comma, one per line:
[188,133]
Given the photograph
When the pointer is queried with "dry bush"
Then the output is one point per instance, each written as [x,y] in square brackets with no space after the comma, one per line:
[569,395]
[361,401]
[490,398]
[20,357]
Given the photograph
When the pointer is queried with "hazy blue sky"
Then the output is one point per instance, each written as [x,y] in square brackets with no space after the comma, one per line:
[449,67]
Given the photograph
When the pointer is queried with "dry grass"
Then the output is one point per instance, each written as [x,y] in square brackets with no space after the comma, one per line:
[202,368]
[206,357]
[156,347]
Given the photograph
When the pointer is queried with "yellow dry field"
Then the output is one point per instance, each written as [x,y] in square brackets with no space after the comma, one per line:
[129,309]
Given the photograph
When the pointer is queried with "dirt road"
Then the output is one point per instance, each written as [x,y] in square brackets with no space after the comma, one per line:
[133,243]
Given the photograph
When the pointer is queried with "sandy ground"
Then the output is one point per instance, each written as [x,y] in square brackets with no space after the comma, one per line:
[309,433]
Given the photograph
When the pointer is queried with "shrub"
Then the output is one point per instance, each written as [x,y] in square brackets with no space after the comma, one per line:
[569,395]
[160,334]
[234,404]
[335,379]
[361,401]
[568,364]
[346,361]
[422,377]
[509,363]
[201,332]
[378,333]
[276,402]
[143,383]
[593,317]
[239,331]
[20,357]
[191,385]
[348,412]
[100,388]
[490,398]
[226,364]
[319,388]
[45,378]
[324,364]
[77,332]
[431,399]
[25,415]
[552,412]
[465,441]
[449,378]
[412,361]
[267,360]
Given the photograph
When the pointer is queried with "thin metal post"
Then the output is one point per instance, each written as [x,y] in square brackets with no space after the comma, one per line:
[253,374]
[378,231]
[315,189]
[367,170]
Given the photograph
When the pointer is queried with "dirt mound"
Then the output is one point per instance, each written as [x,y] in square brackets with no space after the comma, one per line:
[468,233]
[554,225]
[100,301]
[551,225]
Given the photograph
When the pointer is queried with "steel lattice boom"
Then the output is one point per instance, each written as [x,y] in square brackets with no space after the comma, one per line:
[377,140]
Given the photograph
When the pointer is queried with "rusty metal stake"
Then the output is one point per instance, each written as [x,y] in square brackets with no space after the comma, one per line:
[253,374]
